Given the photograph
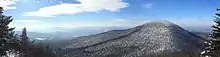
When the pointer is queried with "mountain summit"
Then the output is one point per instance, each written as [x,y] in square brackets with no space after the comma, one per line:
[150,38]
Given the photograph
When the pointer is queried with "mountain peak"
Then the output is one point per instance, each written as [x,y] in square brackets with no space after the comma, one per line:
[162,21]
[163,24]
[159,22]
[151,38]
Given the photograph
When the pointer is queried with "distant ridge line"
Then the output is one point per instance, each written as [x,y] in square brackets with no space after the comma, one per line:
[119,37]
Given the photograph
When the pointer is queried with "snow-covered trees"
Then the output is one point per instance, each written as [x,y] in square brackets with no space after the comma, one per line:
[212,46]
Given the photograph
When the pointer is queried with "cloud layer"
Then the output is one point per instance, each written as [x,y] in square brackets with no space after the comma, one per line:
[44,26]
[149,6]
[7,4]
[83,6]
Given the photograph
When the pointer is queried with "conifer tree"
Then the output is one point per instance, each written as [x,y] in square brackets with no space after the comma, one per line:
[10,41]
[7,38]
[25,42]
[212,46]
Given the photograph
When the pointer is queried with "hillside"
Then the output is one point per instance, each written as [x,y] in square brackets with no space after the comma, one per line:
[150,38]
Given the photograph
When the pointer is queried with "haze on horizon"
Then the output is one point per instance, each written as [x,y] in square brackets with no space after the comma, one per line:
[44,15]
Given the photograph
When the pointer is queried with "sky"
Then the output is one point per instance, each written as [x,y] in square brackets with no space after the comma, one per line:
[44,15]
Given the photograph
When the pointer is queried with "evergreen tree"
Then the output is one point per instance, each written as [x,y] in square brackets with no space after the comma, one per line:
[8,40]
[212,46]
[25,42]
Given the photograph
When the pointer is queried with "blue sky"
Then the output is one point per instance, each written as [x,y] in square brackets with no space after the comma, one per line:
[38,15]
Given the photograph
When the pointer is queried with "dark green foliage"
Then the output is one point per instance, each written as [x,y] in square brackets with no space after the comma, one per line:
[212,46]
[8,40]
[24,43]
[53,51]
[38,51]
[29,49]
[13,43]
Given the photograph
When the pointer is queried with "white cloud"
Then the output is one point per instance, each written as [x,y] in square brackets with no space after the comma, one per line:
[84,6]
[149,6]
[25,21]
[120,20]
[42,25]
[7,4]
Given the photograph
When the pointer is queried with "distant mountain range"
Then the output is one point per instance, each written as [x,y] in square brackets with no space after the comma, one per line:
[150,38]
[70,33]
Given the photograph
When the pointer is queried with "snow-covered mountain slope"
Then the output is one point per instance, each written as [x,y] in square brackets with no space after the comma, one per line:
[150,38]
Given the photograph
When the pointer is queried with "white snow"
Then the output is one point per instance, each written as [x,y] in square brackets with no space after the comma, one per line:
[40,38]
[12,53]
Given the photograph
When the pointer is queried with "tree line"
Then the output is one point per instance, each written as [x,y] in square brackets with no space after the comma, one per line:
[15,45]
